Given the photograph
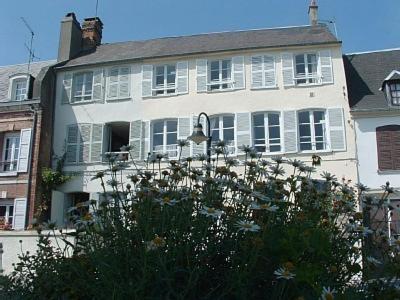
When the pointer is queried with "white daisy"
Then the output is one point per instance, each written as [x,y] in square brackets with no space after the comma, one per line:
[265,206]
[247,226]
[284,273]
[327,293]
[157,242]
[166,201]
[211,212]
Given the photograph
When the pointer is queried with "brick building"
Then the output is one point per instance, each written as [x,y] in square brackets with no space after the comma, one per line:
[25,139]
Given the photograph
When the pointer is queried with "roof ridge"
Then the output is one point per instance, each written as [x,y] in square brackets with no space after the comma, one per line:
[373,51]
[24,64]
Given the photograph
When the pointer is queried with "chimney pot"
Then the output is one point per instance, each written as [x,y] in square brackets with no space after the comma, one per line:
[313,13]
[92,30]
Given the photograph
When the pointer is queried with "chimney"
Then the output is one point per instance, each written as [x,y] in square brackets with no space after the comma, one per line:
[70,38]
[92,29]
[313,13]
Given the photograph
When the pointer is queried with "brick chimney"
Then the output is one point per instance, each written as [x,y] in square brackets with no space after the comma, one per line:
[92,29]
[313,13]
[70,43]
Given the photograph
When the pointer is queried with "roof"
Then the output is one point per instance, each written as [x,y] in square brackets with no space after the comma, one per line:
[8,71]
[206,43]
[365,73]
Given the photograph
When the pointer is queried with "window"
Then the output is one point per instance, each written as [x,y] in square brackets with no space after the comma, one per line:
[306,66]
[20,89]
[312,130]
[223,129]
[164,80]
[82,86]
[117,136]
[266,132]
[6,214]
[165,136]
[394,88]
[388,147]
[220,75]
[10,153]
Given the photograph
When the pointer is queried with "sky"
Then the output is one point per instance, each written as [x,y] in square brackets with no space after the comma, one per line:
[362,25]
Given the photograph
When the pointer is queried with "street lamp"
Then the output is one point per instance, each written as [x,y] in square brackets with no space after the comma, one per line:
[199,137]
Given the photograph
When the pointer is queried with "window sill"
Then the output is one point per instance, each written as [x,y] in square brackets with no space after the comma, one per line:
[275,87]
[118,99]
[221,91]
[315,151]
[388,172]
[8,174]
[82,102]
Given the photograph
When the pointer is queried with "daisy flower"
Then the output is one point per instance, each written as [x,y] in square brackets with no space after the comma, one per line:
[247,226]
[265,206]
[157,242]
[166,201]
[327,293]
[284,273]
[211,212]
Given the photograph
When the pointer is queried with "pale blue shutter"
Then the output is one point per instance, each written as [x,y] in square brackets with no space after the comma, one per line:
[182,77]
[287,69]
[112,88]
[135,137]
[184,130]
[269,71]
[336,129]
[124,82]
[84,143]
[201,80]
[326,66]
[72,144]
[147,80]
[201,148]
[24,149]
[19,213]
[98,85]
[96,149]
[238,72]
[66,91]
[257,72]
[290,131]
[243,129]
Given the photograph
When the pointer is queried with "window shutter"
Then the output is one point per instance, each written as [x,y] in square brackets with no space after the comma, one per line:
[19,213]
[112,89]
[202,147]
[336,129]
[147,80]
[66,88]
[24,150]
[388,147]
[135,137]
[84,143]
[124,82]
[184,130]
[287,69]
[257,72]
[96,149]
[269,71]
[290,131]
[326,66]
[243,129]
[238,72]
[182,77]
[201,69]
[98,85]
[145,139]
[72,144]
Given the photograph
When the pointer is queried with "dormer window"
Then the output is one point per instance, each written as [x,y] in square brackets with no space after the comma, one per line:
[19,88]
[394,90]
[391,88]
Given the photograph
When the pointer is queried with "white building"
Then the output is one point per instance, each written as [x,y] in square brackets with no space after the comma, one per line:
[282,90]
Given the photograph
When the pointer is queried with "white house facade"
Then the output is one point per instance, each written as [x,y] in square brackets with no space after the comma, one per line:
[280,90]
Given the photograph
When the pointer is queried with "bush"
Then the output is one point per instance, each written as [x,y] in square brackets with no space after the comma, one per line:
[208,232]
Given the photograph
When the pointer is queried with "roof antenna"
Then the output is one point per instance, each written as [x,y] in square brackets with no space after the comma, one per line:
[333,22]
[97,6]
[30,50]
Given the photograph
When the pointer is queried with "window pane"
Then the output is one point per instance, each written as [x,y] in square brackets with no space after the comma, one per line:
[88,83]
[214,75]
[305,130]
[157,139]
[158,127]
[160,80]
[259,132]
[300,59]
[274,148]
[260,148]
[171,138]
[273,119]
[304,117]
[229,134]
[228,121]
[171,74]
[215,135]
[305,146]
[172,126]
[319,131]
[319,116]
[160,71]
[258,120]
[274,132]
[214,123]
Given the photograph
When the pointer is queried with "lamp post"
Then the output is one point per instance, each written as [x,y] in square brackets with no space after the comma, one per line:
[199,137]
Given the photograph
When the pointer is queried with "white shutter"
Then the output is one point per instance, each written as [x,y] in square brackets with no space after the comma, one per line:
[287,69]
[96,148]
[24,149]
[19,213]
[290,131]
[98,85]
[337,129]
[112,88]
[325,61]
[84,143]
[124,82]
[72,144]
[184,130]
[145,139]
[243,130]
[66,88]
[147,80]
[202,147]
[269,71]
[238,72]
[201,79]
[182,77]
[135,137]
[257,72]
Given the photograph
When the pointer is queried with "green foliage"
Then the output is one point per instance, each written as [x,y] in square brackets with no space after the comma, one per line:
[188,230]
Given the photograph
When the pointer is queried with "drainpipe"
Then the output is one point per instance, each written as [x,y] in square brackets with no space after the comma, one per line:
[1,259]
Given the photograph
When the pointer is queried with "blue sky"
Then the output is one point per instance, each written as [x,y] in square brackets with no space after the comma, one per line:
[362,25]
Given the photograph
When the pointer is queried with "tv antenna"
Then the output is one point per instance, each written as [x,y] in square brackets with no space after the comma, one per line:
[30,47]
[333,22]
[97,6]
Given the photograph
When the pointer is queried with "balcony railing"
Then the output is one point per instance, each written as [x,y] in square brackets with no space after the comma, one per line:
[170,150]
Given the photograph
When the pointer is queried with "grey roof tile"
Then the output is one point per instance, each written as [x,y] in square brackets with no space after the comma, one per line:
[206,43]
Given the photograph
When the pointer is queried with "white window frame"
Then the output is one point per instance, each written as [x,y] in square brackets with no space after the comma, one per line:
[221,81]
[9,205]
[312,128]
[12,136]
[12,86]
[266,132]
[165,87]
[165,147]
[307,77]
[232,147]
[81,98]
[396,90]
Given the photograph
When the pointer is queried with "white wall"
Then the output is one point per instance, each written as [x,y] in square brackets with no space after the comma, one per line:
[368,155]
